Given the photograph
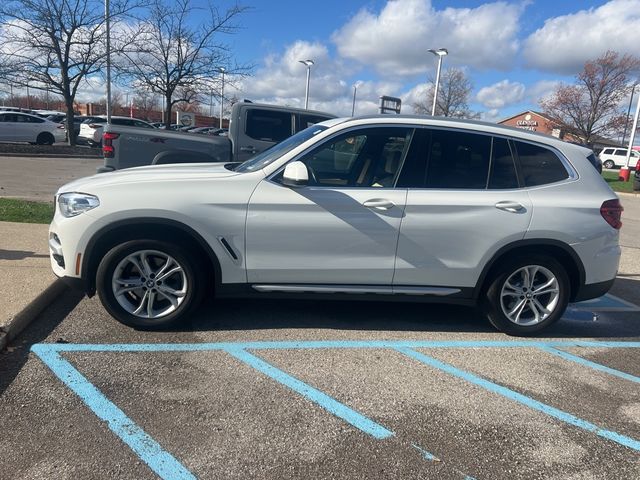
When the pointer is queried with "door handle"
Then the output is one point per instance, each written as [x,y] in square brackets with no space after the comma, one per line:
[513,207]
[379,204]
[248,149]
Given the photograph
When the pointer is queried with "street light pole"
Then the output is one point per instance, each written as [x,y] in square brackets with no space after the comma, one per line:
[107,17]
[308,63]
[632,136]
[440,52]
[626,122]
[221,70]
[353,105]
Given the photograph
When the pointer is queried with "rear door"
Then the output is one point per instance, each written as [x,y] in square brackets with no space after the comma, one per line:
[463,204]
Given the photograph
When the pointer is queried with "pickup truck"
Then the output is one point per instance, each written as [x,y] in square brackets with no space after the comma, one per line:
[253,128]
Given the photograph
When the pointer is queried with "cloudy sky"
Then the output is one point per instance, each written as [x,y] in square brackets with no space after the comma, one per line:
[514,52]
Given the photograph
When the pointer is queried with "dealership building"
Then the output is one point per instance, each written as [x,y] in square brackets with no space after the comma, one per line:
[539,122]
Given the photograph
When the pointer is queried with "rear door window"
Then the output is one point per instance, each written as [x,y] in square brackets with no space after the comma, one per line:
[458,160]
[539,165]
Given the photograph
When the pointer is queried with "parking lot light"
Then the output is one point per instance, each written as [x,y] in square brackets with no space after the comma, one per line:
[308,63]
[222,70]
[440,52]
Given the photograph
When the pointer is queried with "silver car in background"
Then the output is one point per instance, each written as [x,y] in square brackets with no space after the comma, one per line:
[381,207]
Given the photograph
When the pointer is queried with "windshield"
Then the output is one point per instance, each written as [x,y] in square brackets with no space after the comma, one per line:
[279,149]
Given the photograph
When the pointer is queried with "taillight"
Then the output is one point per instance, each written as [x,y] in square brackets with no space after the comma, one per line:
[611,211]
[108,150]
[638,166]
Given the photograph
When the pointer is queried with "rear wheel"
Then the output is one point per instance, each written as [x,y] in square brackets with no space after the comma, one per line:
[149,284]
[608,164]
[45,138]
[527,295]
[636,183]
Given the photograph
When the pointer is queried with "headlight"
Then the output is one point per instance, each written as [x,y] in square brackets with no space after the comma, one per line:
[72,204]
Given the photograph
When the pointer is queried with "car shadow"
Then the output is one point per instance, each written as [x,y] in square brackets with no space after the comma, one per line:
[350,315]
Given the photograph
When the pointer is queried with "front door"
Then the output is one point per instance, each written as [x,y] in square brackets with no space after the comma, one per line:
[343,227]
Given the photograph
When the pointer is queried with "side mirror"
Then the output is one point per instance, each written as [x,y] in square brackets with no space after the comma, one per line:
[295,175]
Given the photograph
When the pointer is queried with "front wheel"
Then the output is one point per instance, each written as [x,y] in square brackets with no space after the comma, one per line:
[149,284]
[527,295]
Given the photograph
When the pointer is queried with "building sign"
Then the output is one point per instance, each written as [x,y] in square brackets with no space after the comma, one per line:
[527,123]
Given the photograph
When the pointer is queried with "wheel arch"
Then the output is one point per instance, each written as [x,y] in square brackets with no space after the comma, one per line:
[555,249]
[143,228]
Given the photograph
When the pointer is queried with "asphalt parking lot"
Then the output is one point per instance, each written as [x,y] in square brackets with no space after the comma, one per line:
[308,389]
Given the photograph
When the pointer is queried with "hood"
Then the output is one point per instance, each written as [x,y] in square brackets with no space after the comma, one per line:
[152,173]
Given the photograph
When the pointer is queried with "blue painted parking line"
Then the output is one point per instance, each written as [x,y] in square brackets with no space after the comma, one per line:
[523,399]
[145,447]
[316,396]
[588,363]
[606,303]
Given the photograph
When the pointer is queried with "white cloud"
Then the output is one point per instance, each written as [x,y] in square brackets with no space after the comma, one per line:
[282,81]
[565,43]
[396,40]
[542,90]
[501,94]
[492,115]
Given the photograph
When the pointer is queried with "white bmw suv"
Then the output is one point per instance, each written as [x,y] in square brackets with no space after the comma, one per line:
[415,208]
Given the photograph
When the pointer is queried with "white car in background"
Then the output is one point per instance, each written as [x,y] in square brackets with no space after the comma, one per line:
[617,157]
[91,130]
[23,127]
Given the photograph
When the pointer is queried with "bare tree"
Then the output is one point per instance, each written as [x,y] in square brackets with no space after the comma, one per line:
[56,44]
[174,55]
[453,96]
[592,106]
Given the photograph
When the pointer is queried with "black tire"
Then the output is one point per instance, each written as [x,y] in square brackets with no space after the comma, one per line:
[609,164]
[45,138]
[636,184]
[189,278]
[494,300]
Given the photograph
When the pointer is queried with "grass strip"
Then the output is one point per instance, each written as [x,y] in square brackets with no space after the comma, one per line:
[23,211]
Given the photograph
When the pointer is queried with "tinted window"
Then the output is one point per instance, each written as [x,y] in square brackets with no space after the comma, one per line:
[539,165]
[365,158]
[458,160]
[6,117]
[607,151]
[267,125]
[503,170]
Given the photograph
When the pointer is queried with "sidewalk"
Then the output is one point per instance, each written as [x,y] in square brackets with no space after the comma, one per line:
[26,281]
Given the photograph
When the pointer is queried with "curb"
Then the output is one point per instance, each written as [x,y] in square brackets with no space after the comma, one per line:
[28,314]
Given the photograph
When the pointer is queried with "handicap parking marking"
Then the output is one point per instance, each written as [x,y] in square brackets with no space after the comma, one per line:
[168,467]
[605,303]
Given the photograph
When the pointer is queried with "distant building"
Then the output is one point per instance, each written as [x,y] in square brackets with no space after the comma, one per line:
[541,123]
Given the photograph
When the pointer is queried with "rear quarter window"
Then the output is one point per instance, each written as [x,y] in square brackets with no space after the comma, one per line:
[539,165]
